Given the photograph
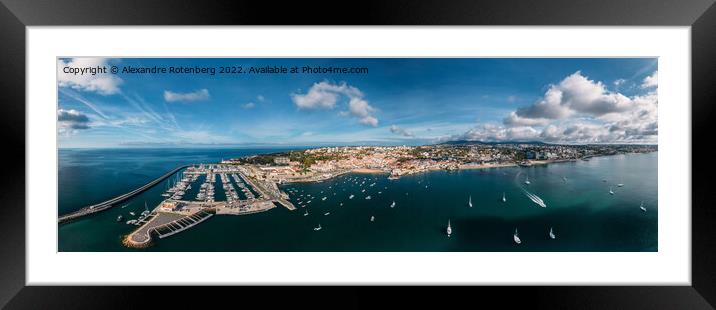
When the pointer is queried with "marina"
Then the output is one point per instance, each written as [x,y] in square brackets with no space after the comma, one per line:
[163,226]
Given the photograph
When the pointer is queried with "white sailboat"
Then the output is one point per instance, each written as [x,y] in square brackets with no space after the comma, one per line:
[642,207]
[551,234]
[449,229]
[516,237]
[327,213]
[527,179]
[306,214]
[504,199]
[372,218]
[351,197]
[611,192]
[392,205]
[317,228]
[469,201]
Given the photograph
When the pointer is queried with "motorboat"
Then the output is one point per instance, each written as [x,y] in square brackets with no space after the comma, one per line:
[516,237]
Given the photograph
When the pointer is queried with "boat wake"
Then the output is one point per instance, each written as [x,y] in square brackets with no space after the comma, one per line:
[535,198]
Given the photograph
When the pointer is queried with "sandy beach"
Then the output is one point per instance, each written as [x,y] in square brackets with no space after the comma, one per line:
[366,170]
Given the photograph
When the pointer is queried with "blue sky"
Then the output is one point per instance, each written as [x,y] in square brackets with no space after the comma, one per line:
[399,101]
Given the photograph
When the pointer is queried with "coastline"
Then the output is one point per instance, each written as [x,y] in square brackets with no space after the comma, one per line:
[368,170]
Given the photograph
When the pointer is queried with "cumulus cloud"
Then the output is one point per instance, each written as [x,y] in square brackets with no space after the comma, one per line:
[199,95]
[515,120]
[401,131]
[249,105]
[70,121]
[651,81]
[577,110]
[101,83]
[574,95]
[326,95]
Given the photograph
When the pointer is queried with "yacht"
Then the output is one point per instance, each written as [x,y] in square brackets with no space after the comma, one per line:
[620,184]
[527,180]
[306,214]
[469,201]
[327,213]
[551,234]
[449,229]
[131,213]
[504,199]
[119,218]
[350,197]
[324,198]
[392,205]
[611,192]
[372,218]
[130,222]
[516,237]
[642,207]
[368,197]
[317,228]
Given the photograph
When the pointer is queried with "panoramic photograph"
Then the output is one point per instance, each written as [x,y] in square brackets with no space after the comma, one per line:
[357,154]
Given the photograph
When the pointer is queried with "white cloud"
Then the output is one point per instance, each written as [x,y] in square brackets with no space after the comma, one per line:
[514,120]
[249,105]
[651,81]
[326,95]
[199,95]
[577,110]
[573,96]
[104,83]
[401,131]
[619,82]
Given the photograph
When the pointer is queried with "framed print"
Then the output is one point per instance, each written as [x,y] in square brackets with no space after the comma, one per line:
[459,144]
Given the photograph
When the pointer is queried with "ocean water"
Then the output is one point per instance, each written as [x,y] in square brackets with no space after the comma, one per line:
[582,213]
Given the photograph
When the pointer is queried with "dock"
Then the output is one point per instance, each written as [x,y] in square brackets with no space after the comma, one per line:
[164,224]
[111,202]
[181,224]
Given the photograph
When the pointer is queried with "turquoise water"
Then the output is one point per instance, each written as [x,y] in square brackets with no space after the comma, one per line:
[584,216]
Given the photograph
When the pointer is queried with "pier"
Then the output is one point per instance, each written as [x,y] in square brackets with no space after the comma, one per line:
[110,203]
[181,224]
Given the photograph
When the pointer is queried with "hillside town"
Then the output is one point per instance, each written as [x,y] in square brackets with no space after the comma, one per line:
[319,164]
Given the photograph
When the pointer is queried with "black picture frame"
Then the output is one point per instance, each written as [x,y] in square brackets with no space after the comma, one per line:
[16,15]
